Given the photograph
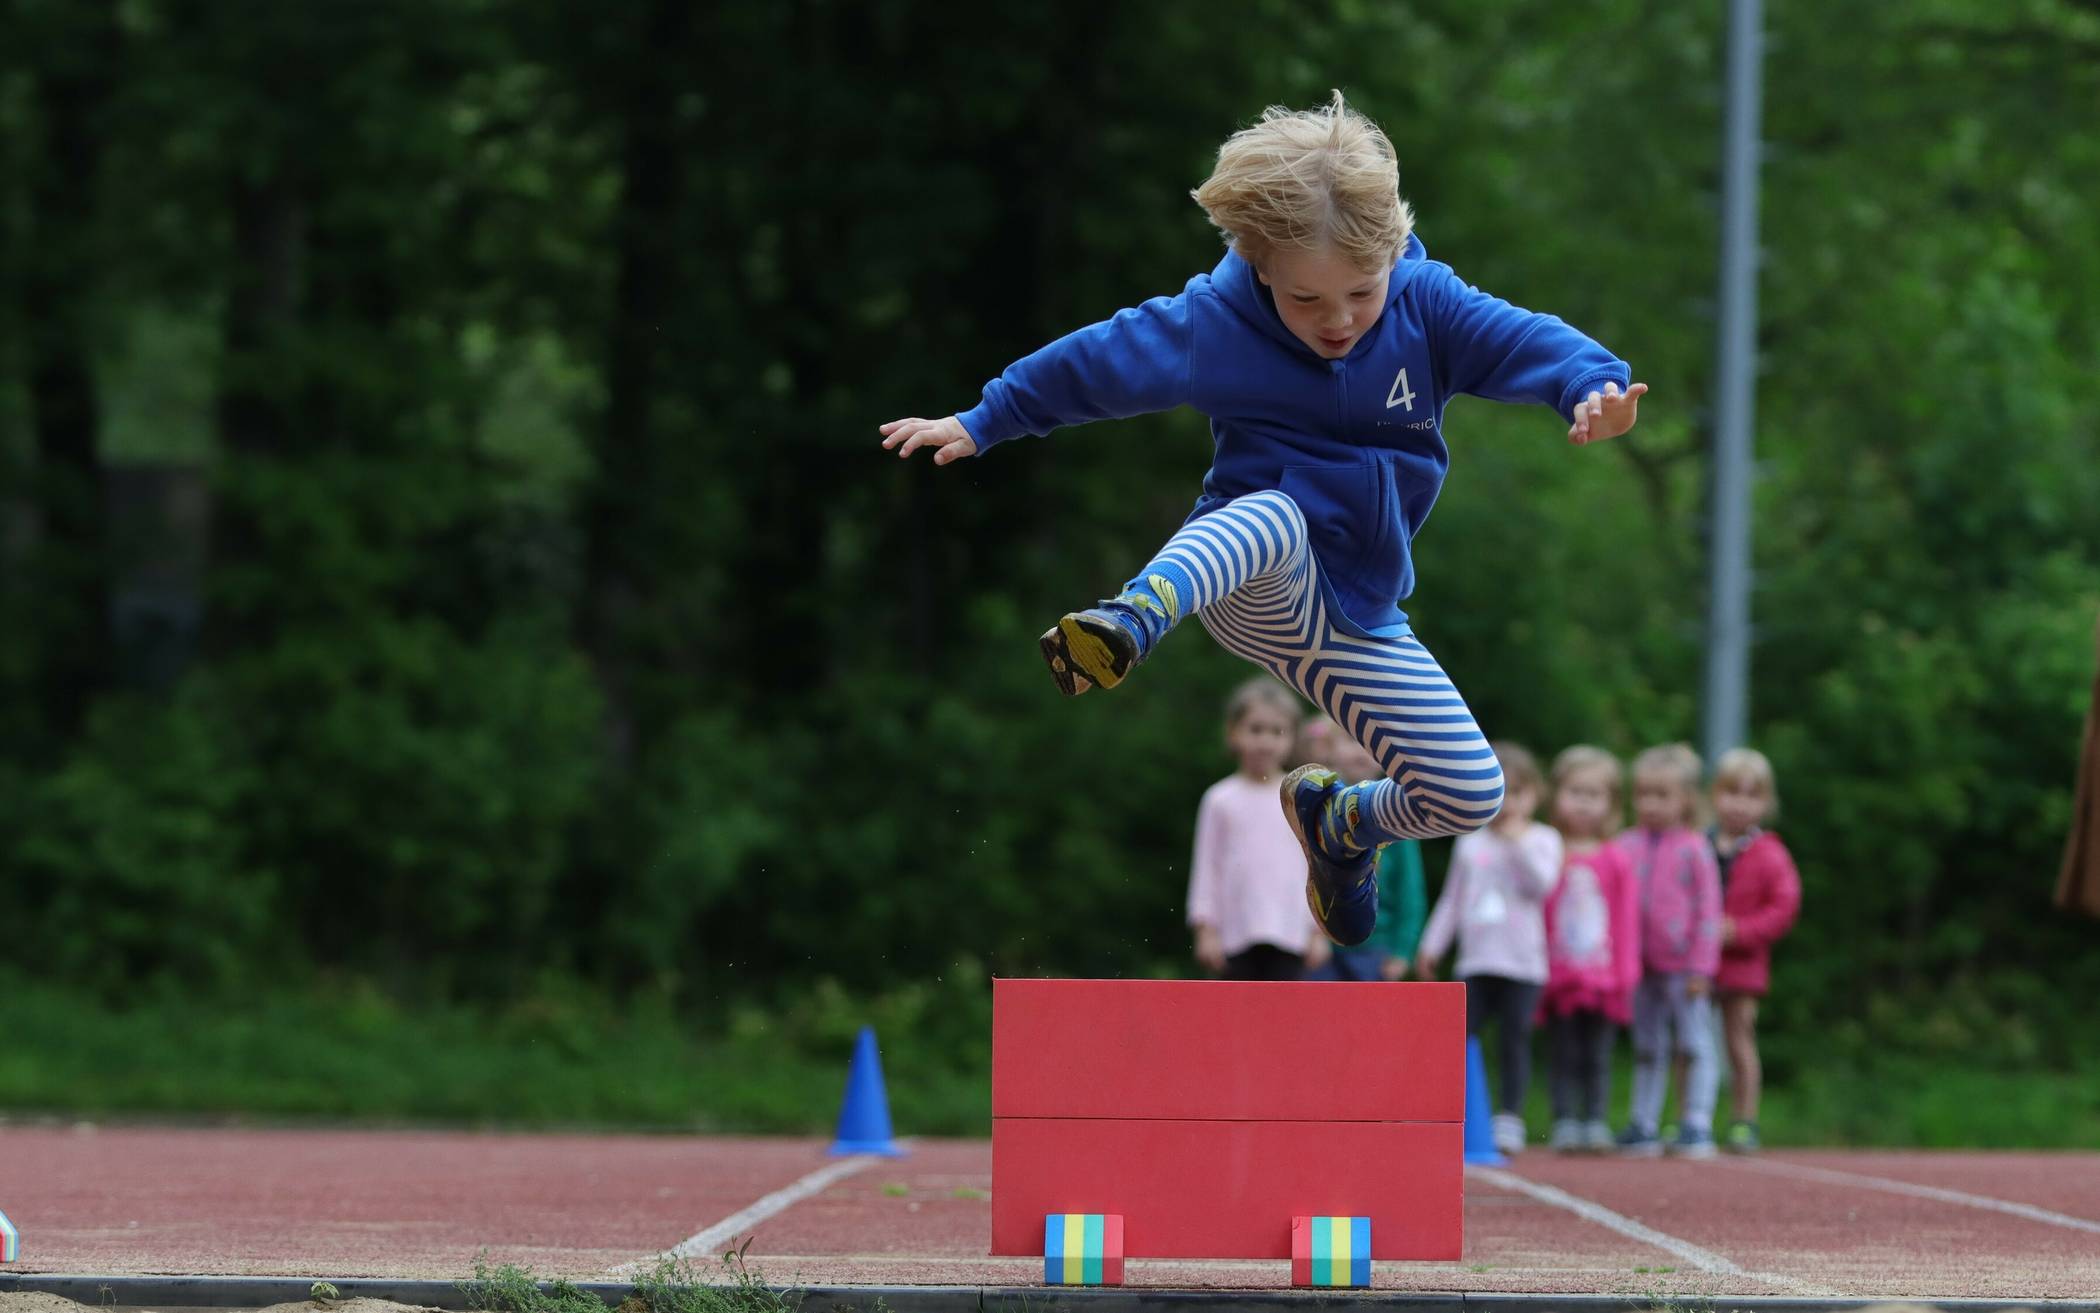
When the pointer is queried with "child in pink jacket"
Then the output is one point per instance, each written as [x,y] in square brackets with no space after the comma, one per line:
[1593,948]
[1761,892]
[1680,892]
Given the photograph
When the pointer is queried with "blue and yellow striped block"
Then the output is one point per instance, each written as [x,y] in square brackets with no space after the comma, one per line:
[1083,1249]
[1330,1251]
[10,1240]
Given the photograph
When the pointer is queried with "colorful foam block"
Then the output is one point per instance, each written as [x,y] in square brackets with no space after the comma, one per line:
[10,1240]
[1083,1249]
[1331,1251]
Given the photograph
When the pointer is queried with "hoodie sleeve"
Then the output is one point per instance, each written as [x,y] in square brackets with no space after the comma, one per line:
[1490,348]
[1137,362]
[1774,915]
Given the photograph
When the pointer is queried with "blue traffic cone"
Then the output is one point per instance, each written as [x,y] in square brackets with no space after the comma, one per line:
[864,1118]
[1480,1118]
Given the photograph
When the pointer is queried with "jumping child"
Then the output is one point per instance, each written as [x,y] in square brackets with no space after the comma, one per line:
[1324,348]
[1760,895]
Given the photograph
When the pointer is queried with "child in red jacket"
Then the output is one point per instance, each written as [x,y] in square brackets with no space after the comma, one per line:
[1761,892]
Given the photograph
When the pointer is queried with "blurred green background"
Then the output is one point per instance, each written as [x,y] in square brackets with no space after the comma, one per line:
[463,655]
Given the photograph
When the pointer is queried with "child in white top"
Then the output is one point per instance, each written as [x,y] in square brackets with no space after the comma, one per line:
[1247,876]
[1494,904]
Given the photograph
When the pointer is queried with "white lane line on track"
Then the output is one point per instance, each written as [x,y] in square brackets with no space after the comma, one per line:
[1892,1186]
[1590,1211]
[709,1242]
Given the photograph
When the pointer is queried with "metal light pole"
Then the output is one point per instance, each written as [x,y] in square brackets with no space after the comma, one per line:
[1728,619]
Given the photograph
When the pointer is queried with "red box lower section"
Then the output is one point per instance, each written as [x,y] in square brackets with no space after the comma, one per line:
[1209,1189]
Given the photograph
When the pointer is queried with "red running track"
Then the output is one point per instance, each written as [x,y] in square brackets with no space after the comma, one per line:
[135,1200]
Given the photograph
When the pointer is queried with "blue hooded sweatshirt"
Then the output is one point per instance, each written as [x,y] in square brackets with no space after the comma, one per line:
[1358,442]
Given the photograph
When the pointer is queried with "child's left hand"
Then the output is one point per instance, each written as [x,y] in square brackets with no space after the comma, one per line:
[1727,929]
[948,438]
[1606,414]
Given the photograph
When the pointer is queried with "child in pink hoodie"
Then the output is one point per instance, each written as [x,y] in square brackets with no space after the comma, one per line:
[1761,892]
[1493,903]
[1592,945]
[1680,891]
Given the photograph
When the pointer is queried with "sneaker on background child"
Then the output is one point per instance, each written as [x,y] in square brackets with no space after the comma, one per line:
[1493,902]
[1760,896]
[1402,903]
[1247,876]
[1680,894]
[1592,946]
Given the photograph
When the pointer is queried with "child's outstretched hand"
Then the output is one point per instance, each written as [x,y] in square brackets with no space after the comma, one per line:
[948,437]
[1605,414]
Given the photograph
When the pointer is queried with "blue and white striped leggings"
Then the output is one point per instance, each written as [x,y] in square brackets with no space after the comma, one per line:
[1249,571]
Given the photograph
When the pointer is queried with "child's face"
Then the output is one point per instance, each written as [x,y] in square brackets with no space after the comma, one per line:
[1740,804]
[1260,739]
[1583,806]
[1326,302]
[1659,800]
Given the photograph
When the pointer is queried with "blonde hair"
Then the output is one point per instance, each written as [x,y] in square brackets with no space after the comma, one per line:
[1749,766]
[1262,693]
[1582,757]
[1679,760]
[1520,770]
[1309,179]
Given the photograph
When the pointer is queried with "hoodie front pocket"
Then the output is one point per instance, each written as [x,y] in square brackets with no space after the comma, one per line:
[1350,513]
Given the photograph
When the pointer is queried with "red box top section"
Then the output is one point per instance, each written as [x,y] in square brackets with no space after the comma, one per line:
[1229,1051]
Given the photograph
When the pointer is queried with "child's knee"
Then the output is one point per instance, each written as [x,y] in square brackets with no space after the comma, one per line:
[1484,798]
[1493,788]
[1282,508]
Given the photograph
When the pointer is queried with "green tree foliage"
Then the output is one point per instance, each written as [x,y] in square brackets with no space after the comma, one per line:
[561,610]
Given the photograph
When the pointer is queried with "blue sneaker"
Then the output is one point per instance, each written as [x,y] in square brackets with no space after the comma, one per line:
[1639,1142]
[1103,644]
[1341,891]
[1693,1142]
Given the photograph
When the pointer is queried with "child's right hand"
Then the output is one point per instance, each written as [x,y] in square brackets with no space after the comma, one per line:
[948,437]
[1210,949]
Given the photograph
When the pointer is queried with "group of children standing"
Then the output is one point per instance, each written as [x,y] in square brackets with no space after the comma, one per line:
[1575,920]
